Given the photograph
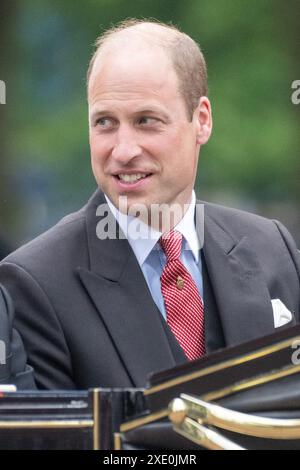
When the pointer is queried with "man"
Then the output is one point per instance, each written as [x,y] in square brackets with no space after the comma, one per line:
[107,311]
[13,367]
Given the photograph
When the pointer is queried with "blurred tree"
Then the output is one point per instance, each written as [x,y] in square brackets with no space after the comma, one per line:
[252,54]
[8,203]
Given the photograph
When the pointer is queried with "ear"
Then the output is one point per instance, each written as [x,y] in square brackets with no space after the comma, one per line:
[203,120]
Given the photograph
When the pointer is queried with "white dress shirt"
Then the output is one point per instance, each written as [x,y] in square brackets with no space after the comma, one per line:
[144,241]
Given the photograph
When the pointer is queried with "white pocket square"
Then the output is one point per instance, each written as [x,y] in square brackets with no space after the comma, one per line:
[281,314]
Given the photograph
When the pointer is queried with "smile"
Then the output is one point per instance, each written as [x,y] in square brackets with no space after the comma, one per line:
[132,178]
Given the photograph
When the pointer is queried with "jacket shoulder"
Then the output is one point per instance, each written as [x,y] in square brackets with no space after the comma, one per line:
[57,243]
[269,235]
[237,221]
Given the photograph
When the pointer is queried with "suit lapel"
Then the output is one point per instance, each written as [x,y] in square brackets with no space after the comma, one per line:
[117,287]
[240,290]
[214,337]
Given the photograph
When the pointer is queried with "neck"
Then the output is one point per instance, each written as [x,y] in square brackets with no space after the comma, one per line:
[161,217]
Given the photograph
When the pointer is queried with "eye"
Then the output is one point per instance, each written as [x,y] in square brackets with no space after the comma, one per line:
[147,120]
[105,123]
[102,122]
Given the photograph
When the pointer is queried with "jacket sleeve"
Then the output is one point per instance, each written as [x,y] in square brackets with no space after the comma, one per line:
[38,325]
[13,367]
[294,252]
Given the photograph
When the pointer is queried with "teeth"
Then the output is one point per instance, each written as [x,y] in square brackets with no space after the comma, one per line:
[132,178]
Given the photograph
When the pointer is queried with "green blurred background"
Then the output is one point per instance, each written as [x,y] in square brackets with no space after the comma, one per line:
[252,51]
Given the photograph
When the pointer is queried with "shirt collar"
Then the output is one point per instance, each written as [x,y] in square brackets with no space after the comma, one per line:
[143,238]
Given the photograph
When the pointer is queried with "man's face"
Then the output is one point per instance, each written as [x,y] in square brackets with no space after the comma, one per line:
[142,143]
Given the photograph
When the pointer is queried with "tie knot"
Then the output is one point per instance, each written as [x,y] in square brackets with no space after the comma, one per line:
[171,244]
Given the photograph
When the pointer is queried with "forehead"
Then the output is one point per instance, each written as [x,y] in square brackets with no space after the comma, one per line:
[132,71]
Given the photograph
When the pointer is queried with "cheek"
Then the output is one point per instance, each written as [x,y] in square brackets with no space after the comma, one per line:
[97,160]
[99,150]
[95,143]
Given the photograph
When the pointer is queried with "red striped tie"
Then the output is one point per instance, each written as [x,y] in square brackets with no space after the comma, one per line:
[184,306]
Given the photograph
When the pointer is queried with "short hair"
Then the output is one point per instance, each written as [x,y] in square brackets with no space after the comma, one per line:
[186,57]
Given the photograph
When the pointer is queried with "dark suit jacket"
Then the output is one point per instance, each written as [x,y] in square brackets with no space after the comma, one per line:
[13,367]
[87,317]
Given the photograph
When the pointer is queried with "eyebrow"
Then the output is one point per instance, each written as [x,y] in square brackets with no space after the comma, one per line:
[142,111]
[97,113]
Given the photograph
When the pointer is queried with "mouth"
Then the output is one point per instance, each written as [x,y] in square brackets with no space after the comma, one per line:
[131,178]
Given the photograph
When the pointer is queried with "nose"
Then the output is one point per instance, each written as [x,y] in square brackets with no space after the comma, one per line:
[126,145]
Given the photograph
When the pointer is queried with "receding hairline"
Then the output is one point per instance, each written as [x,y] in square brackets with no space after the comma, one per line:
[185,54]
[166,36]
[133,43]
[145,29]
